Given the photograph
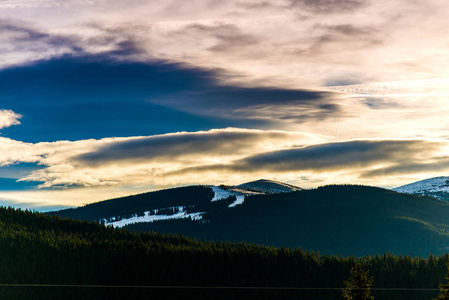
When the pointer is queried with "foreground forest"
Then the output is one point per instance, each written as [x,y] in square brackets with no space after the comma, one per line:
[46,257]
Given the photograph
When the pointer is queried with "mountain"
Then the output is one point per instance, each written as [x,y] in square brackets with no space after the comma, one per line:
[437,187]
[176,203]
[341,220]
[269,186]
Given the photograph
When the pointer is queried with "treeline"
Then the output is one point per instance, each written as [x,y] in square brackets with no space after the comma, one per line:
[91,261]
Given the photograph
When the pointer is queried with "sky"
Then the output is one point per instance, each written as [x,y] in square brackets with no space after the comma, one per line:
[107,98]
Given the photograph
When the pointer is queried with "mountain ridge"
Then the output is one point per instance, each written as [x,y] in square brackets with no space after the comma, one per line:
[337,220]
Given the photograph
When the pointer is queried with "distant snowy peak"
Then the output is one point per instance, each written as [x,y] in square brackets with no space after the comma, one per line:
[437,187]
[436,184]
[269,187]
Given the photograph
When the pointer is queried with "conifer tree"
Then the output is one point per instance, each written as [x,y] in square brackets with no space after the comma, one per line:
[444,288]
[359,285]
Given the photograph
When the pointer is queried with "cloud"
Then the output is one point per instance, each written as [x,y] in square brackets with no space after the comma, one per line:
[344,156]
[23,43]
[221,37]
[351,30]
[129,94]
[359,161]
[297,111]
[140,160]
[8,118]
[330,6]
[270,105]
[436,165]
[10,4]
[285,43]
[27,42]
[188,147]
[227,156]
[135,160]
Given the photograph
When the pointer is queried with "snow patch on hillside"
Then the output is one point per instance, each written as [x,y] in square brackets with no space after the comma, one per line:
[222,193]
[150,216]
[240,199]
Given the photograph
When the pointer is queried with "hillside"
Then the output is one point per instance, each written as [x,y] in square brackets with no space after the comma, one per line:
[198,197]
[341,220]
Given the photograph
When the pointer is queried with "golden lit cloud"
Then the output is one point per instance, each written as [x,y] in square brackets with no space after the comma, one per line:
[225,155]
[145,160]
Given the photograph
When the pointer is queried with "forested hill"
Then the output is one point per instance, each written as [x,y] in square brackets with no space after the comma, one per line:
[191,196]
[44,257]
[341,220]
